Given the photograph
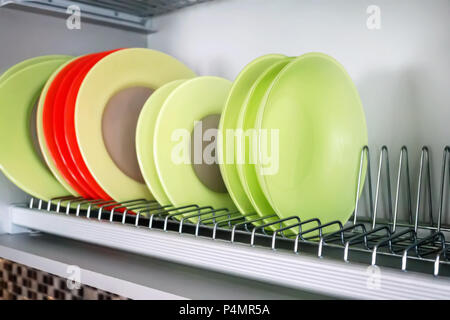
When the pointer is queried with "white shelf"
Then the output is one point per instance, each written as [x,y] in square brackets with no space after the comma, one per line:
[131,275]
[301,272]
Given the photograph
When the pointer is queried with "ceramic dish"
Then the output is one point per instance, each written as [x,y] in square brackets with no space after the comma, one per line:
[145,132]
[110,153]
[226,148]
[316,109]
[186,174]
[20,160]
[248,146]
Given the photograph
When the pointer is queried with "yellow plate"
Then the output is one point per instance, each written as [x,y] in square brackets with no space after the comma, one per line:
[120,70]
[194,100]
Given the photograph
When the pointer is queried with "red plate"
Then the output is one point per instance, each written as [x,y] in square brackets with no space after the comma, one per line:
[68,133]
[59,132]
[50,104]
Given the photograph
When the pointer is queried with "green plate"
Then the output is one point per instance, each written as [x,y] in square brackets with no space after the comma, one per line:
[317,111]
[19,159]
[21,65]
[192,101]
[248,145]
[226,148]
[145,132]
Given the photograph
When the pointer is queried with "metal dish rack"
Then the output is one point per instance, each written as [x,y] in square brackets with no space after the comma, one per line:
[371,241]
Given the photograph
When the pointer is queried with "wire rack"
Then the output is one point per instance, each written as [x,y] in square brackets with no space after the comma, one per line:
[142,8]
[413,242]
[134,14]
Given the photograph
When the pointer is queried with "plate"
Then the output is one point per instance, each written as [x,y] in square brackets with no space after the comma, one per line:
[145,132]
[58,133]
[37,122]
[41,136]
[67,135]
[248,146]
[20,159]
[46,113]
[226,148]
[184,173]
[110,153]
[316,109]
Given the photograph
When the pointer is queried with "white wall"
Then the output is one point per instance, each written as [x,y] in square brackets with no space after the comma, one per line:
[25,35]
[402,71]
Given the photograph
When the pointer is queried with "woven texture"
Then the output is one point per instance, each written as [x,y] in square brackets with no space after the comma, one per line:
[19,282]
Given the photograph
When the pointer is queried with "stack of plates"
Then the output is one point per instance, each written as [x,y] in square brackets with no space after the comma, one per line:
[283,140]
[175,143]
[68,124]
[292,133]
